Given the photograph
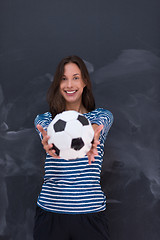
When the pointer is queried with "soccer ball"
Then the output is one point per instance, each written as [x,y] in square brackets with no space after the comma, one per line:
[71,134]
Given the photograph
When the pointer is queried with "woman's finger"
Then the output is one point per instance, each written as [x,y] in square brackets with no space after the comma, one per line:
[41,129]
[95,152]
[45,140]
[91,154]
[52,153]
[91,158]
[95,143]
[97,131]
[47,147]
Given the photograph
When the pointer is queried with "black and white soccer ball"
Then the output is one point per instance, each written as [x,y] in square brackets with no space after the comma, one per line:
[71,134]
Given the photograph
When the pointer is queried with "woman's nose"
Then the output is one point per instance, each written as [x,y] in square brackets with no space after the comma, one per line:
[69,83]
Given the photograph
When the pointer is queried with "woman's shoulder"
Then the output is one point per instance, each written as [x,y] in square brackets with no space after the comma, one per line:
[101,111]
[101,114]
[47,116]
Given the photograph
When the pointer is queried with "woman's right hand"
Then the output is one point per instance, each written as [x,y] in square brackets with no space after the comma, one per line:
[47,147]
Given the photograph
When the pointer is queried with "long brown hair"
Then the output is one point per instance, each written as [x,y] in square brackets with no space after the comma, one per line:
[55,99]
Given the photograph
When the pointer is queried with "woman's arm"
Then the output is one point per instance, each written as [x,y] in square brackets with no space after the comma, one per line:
[93,151]
[95,127]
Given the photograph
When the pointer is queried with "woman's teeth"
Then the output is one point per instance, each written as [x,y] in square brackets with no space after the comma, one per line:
[70,92]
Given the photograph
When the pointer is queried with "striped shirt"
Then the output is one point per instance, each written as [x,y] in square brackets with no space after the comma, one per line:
[73,186]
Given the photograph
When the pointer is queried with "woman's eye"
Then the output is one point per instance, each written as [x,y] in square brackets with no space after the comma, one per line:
[63,78]
[76,78]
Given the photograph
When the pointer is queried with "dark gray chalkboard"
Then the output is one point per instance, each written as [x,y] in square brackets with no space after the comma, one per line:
[120,43]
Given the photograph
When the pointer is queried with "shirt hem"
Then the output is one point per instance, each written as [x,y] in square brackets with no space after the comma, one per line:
[103,209]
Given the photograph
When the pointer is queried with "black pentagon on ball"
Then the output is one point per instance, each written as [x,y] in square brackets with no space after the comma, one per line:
[83,120]
[77,143]
[92,140]
[56,149]
[59,126]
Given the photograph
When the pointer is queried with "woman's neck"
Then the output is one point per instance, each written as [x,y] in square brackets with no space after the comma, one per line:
[79,108]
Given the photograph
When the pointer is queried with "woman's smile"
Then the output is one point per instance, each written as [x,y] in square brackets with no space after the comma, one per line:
[70,93]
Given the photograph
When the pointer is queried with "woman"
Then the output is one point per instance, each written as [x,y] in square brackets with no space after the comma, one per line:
[71,204]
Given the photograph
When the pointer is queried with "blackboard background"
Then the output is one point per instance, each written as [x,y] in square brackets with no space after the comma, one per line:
[120,43]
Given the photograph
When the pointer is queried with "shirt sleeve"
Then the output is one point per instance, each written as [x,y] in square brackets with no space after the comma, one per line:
[43,120]
[103,117]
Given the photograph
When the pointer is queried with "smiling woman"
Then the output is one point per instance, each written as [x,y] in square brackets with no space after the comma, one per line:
[71,204]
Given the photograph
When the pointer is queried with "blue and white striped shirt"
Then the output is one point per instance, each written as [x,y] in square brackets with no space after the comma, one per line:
[73,186]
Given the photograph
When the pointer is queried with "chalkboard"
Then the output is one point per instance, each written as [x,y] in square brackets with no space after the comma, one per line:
[119,42]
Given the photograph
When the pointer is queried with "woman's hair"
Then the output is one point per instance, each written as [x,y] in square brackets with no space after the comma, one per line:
[54,97]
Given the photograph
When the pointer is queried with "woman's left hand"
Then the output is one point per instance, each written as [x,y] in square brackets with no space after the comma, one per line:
[93,151]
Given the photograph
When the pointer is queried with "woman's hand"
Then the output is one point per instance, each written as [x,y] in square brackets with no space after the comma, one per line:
[93,151]
[91,154]
[47,147]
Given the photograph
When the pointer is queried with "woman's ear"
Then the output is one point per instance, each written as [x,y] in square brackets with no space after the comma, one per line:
[85,86]
[84,81]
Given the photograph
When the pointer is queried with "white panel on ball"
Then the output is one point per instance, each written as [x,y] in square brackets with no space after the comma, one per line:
[69,115]
[71,154]
[87,133]
[74,128]
[61,140]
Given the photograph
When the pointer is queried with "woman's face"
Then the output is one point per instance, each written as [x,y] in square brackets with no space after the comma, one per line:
[72,84]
